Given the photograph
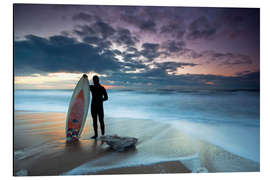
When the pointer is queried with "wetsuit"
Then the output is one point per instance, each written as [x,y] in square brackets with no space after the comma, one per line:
[99,95]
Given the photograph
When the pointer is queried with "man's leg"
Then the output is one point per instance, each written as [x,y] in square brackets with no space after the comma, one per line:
[95,125]
[101,120]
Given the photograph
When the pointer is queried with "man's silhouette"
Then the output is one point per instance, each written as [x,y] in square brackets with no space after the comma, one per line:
[99,95]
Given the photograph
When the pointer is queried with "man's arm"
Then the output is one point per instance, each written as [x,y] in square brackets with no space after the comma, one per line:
[90,86]
[105,95]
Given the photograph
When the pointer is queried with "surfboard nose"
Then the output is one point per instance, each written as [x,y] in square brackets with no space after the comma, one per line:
[85,76]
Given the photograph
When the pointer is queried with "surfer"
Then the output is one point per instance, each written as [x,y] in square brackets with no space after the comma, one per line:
[99,95]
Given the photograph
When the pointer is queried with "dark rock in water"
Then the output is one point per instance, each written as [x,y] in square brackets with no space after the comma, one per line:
[118,143]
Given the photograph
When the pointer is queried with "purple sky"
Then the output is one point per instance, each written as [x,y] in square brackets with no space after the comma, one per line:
[133,46]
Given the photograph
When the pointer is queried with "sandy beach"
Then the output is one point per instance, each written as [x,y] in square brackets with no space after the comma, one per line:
[40,149]
[57,156]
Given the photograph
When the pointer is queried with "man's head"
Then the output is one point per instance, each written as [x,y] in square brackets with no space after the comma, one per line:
[96,80]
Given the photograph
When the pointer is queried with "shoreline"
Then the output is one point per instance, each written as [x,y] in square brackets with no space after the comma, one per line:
[154,168]
[45,142]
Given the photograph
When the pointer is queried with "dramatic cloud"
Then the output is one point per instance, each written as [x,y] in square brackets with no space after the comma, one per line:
[174,46]
[101,33]
[223,58]
[150,51]
[227,58]
[104,29]
[131,56]
[220,58]
[124,37]
[175,30]
[148,25]
[99,28]
[83,17]
[99,42]
[59,53]
[201,28]
[139,21]
[84,30]
[134,46]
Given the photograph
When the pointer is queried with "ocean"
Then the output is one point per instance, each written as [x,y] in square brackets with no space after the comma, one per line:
[227,119]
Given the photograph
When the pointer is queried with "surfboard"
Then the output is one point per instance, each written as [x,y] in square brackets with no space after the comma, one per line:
[78,109]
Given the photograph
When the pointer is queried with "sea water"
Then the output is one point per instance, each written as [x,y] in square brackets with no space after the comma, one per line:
[228,119]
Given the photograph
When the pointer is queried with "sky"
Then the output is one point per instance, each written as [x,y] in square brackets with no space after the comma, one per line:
[136,46]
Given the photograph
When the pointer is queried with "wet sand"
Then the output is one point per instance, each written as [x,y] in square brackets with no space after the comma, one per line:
[58,157]
[75,155]
[41,149]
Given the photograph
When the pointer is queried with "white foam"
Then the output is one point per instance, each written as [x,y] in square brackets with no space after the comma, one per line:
[100,163]
[241,140]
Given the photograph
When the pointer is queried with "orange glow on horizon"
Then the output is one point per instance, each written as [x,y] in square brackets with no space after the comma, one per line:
[209,83]
[60,80]
[111,86]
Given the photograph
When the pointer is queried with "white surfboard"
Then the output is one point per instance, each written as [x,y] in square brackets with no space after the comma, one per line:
[78,109]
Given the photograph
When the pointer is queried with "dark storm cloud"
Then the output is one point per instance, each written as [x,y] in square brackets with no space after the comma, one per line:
[174,46]
[161,69]
[150,51]
[59,53]
[133,66]
[157,76]
[92,39]
[104,29]
[132,56]
[84,30]
[99,42]
[90,34]
[190,53]
[99,32]
[99,28]
[151,46]
[117,52]
[124,37]
[176,30]
[173,66]
[148,25]
[83,17]
[201,28]
[226,58]
[139,21]
[132,49]
[56,40]
[96,30]
[128,56]
[221,58]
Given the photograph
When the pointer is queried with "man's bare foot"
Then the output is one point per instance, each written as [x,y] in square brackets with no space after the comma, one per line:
[94,137]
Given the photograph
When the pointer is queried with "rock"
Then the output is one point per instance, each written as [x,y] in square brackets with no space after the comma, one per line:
[118,143]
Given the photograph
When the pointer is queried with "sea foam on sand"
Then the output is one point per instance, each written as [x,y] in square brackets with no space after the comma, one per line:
[162,142]
[159,142]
